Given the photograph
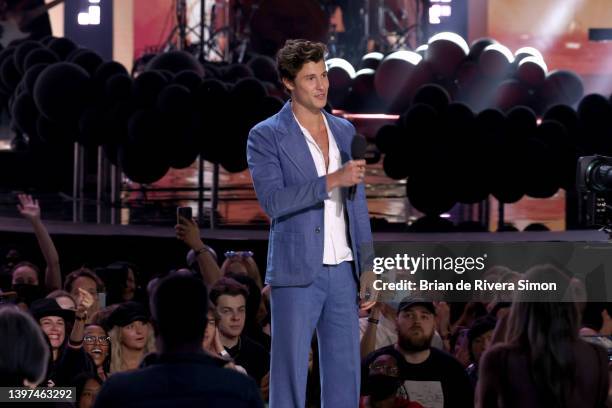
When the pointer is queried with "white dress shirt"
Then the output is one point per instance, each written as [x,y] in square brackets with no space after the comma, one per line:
[335,243]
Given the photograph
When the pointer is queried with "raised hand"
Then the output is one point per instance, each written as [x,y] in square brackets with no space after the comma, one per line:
[85,301]
[188,232]
[28,207]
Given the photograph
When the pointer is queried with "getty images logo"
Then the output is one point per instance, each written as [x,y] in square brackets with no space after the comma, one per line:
[413,264]
[92,15]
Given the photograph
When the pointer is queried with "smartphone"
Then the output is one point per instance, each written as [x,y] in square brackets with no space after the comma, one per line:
[102,299]
[183,212]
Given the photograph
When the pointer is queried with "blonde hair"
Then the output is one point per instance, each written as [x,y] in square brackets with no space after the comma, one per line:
[116,363]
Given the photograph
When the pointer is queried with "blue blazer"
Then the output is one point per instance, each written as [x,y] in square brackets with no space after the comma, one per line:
[292,194]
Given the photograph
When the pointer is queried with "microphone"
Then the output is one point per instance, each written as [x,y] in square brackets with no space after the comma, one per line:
[359,146]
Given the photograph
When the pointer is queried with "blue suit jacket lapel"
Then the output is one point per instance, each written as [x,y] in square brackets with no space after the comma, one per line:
[293,143]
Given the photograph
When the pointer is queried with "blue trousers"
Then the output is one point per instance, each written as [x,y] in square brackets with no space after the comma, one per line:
[329,305]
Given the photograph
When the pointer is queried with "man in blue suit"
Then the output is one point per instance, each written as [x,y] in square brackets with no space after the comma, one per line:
[320,237]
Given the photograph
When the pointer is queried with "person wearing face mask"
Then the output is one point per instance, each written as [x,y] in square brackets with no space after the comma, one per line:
[25,275]
[131,336]
[383,381]
[428,376]
[67,357]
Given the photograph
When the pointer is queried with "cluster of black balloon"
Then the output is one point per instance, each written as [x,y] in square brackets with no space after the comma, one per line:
[485,75]
[452,155]
[58,93]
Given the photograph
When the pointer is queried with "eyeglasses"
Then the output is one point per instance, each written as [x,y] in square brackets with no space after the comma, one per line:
[384,369]
[100,339]
[241,254]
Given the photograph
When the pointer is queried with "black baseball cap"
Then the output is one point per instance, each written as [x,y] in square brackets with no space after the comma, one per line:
[407,303]
[127,313]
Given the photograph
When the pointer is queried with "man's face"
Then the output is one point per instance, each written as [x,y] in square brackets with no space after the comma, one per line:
[232,310]
[310,86]
[415,328]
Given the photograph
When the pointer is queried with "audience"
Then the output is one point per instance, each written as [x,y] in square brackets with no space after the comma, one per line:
[182,374]
[196,349]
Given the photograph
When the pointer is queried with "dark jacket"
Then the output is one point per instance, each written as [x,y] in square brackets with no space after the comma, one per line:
[505,379]
[180,380]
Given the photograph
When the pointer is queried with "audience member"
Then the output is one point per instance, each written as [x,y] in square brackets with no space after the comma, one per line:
[121,282]
[24,353]
[25,275]
[429,376]
[543,362]
[241,263]
[86,279]
[182,374]
[379,329]
[97,344]
[230,298]
[252,327]
[131,336]
[479,339]
[188,232]
[67,358]
[87,387]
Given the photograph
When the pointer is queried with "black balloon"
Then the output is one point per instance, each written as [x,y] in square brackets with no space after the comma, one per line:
[175,62]
[62,92]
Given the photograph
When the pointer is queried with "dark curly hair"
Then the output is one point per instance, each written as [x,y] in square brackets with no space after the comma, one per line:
[295,53]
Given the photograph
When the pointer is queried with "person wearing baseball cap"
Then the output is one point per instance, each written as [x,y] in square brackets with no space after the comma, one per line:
[429,376]
[68,358]
[131,336]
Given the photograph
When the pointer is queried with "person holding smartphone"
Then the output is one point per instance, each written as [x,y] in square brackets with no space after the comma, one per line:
[187,231]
